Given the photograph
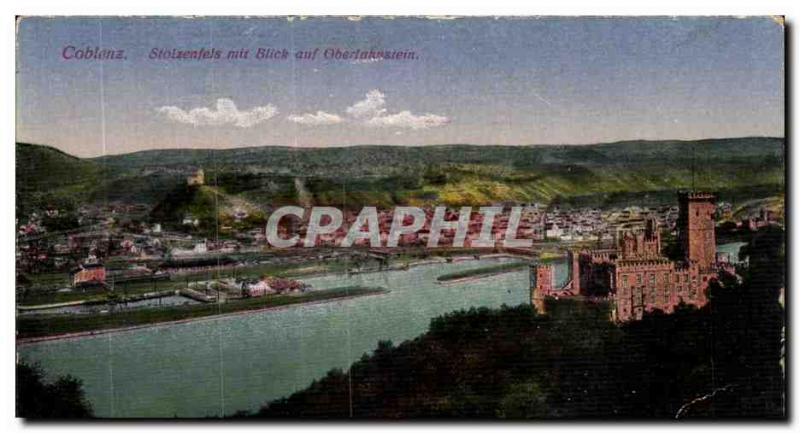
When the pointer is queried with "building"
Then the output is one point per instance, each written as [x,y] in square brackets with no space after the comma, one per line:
[633,275]
[258,289]
[88,274]
[272,285]
[199,178]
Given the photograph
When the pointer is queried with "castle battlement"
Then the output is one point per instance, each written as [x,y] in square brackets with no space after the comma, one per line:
[697,195]
[647,264]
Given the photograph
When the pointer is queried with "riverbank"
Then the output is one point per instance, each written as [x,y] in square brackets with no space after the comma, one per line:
[441,260]
[132,298]
[40,328]
[34,327]
[470,274]
[324,336]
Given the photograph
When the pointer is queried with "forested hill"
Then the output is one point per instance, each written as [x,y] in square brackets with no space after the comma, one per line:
[596,175]
[380,159]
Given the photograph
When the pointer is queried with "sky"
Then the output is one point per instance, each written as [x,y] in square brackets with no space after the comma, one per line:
[508,81]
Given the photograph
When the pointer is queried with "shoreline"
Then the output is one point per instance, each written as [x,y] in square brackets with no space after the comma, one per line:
[479,276]
[81,334]
[409,265]
[439,260]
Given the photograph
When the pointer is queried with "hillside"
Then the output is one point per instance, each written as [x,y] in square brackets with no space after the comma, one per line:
[596,175]
[47,175]
[468,175]
[209,205]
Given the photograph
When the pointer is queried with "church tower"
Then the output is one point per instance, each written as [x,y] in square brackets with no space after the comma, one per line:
[696,227]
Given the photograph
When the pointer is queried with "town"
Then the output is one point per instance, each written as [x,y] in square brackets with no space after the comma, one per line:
[118,258]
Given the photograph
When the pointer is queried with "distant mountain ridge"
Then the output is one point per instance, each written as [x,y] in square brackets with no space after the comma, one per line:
[634,151]
[385,175]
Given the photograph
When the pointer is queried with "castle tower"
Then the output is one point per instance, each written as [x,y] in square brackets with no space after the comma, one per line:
[541,285]
[652,235]
[696,228]
[642,241]
[574,272]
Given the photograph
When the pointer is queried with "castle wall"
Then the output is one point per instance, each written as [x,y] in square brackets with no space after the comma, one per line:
[660,285]
[595,274]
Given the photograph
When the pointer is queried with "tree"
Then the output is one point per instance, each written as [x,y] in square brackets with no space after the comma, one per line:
[37,399]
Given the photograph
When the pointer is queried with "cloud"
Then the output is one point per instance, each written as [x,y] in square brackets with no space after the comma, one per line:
[405,119]
[371,110]
[318,118]
[226,113]
[371,106]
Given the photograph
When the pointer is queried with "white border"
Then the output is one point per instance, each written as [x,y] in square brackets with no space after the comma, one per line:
[321,7]
[410,7]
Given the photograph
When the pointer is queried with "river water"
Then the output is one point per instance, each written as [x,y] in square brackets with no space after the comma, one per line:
[220,365]
[732,250]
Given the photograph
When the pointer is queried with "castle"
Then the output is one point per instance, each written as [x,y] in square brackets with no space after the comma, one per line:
[633,275]
[198,179]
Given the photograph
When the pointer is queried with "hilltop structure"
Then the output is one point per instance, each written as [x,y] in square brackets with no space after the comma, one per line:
[634,276]
[198,179]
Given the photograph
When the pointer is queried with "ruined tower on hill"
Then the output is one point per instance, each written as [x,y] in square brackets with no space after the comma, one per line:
[198,179]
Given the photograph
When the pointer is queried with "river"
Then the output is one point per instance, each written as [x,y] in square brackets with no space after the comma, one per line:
[218,366]
[221,365]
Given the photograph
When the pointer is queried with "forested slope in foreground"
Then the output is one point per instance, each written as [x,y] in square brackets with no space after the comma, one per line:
[724,360]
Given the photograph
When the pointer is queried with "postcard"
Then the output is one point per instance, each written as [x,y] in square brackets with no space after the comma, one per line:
[375,218]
